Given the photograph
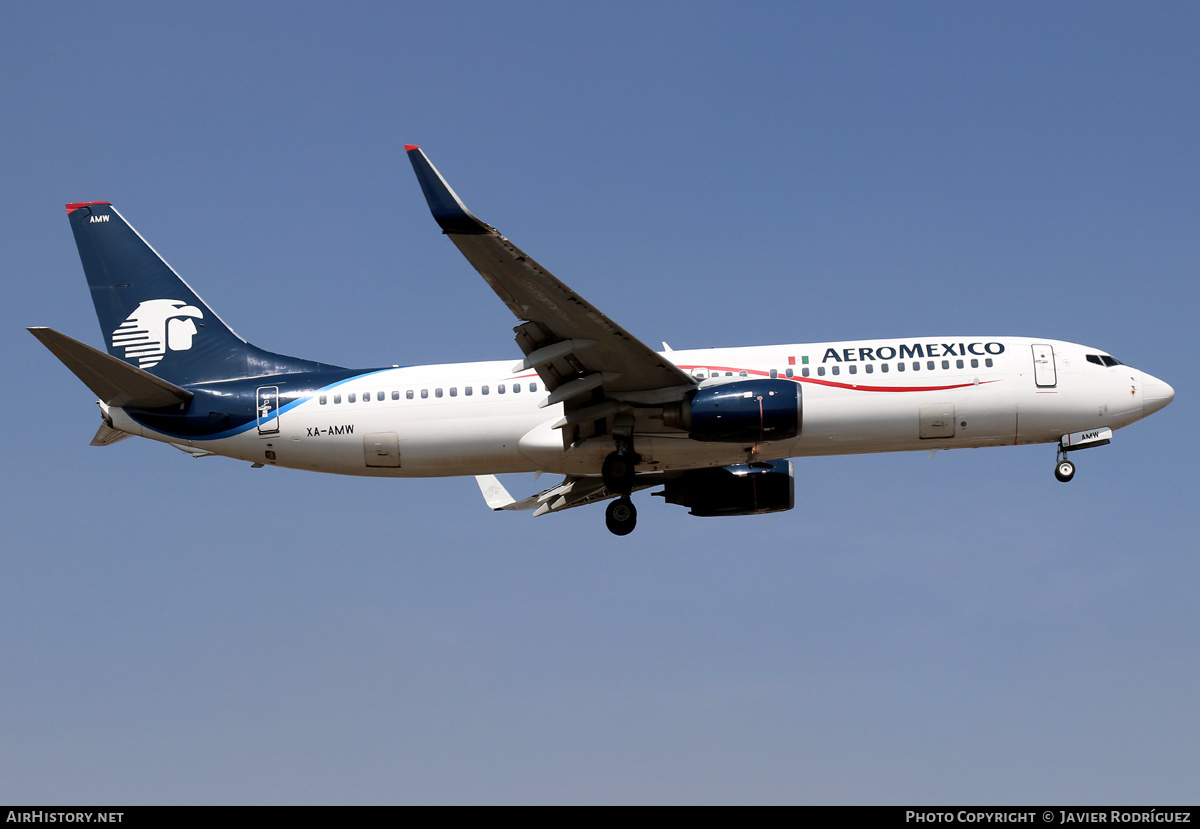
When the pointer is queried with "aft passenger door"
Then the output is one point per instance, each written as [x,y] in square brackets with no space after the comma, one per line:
[267,404]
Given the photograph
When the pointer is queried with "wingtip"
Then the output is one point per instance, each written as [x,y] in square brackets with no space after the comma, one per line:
[445,205]
[408,148]
[494,493]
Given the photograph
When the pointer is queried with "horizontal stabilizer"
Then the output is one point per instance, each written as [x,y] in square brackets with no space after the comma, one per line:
[113,381]
[107,435]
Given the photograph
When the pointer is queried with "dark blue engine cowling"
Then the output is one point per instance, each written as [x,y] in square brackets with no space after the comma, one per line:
[743,489]
[747,411]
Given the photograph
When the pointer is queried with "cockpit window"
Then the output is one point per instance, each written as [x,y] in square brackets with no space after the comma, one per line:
[1103,360]
[1110,361]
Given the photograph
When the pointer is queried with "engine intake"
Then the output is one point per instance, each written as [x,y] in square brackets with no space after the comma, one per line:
[745,411]
[743,489]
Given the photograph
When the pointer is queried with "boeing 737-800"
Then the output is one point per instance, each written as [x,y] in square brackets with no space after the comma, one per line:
[714,428]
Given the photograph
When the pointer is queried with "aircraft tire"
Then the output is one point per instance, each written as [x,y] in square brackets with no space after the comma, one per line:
[621,516]
[1064,471]
[618,472]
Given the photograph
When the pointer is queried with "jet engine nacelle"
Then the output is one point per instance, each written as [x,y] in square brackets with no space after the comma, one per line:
[745,411]
[743,489]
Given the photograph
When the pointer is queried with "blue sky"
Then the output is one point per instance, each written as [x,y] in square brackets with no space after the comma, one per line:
[957,630]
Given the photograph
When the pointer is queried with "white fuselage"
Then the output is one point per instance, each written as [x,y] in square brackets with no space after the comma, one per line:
[865,396]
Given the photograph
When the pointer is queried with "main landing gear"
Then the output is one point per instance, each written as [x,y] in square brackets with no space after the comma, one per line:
[621,516]
[619,472]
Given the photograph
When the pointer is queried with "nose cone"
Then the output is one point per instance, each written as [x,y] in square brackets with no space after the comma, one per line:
[1155,394]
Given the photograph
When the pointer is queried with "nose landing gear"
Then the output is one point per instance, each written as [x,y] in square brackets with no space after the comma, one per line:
[1064,470]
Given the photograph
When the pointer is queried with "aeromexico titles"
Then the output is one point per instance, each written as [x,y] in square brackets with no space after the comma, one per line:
[714,428]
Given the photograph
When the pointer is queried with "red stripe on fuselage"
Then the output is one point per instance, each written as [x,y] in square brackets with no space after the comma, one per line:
[837,385]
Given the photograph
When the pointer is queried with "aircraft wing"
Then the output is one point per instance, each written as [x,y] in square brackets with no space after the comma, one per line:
[573,491]
[587,361]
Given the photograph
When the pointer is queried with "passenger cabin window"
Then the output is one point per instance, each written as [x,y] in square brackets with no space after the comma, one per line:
[409,394]
[322,398]
[974,363]
[350,398]
[467,391]
[789,373]
[804,371]
[774,374]
[958,363]
[337,398]
[946,364]
[454,391]
[395,395]
[379,395]
[437,392]
[516,387]
[500,389]
[424,394]
[483,389]
[900,366]
[884,368]
[854,369]
[533,386]
[820,371]
[988,362]
[870,368]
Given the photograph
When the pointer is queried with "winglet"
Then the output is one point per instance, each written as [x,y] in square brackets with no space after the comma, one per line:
[494,493]
[445,205]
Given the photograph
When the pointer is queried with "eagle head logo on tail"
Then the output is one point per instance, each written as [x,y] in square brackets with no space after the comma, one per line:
[154,327]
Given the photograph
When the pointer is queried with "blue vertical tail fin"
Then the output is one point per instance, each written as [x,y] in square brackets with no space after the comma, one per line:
[150,317]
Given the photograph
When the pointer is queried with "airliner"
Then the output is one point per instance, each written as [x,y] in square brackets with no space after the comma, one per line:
[714,428]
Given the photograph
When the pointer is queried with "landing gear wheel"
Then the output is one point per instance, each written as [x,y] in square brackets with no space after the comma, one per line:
[1064,471]
[618,472]
[621,516]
